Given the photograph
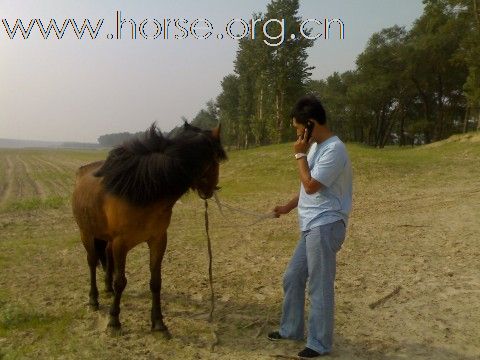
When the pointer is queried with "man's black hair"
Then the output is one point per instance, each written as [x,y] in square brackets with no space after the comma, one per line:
[309,107]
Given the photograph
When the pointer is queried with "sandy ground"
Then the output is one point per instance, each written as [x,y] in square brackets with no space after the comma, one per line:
[421,241]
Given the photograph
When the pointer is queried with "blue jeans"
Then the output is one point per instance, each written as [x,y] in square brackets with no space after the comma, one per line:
[314,258]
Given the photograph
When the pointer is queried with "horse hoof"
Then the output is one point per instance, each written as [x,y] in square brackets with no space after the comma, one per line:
[114,331]
[93,305]
[114,323]
[162,330]
[114,328]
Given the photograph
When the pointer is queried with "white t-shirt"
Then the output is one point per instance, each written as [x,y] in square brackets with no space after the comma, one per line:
[330,165]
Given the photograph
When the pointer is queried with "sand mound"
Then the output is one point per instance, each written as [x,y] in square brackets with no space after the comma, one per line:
[473,137]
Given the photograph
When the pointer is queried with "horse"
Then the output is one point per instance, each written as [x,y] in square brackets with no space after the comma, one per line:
[128,198]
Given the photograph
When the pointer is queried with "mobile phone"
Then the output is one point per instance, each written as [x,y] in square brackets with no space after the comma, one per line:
[309,127]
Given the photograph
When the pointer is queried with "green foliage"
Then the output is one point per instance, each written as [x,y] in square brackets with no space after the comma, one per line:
[111,140]
[205,119]
[414,86]
[420,85]
[228,102]
[255,102]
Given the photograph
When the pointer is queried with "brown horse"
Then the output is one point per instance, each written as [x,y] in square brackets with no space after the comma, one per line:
[128,199]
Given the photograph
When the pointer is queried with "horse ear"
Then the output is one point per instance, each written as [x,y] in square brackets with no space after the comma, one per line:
[216,131]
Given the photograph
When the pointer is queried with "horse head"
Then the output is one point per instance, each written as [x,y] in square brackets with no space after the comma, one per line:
[207,182]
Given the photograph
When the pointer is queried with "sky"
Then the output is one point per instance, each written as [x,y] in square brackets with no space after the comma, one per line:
[77,90]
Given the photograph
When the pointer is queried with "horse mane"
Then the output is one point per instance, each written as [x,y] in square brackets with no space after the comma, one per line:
[153,167]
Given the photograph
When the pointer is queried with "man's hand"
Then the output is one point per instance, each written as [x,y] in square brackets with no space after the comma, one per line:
[285,209]
[302,145]
[281,210]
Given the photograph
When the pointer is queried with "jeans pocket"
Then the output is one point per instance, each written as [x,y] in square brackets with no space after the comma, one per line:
[338,235]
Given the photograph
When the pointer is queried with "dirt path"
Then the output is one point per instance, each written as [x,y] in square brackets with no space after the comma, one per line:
[30,177]
[58,185]
[8,184]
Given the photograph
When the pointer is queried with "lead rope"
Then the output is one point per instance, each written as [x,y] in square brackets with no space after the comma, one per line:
[210,276]
[259,217]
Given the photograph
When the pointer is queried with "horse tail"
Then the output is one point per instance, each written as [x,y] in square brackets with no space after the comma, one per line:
[100,249]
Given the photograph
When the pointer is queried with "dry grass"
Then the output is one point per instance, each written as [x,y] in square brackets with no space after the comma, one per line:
[414,225]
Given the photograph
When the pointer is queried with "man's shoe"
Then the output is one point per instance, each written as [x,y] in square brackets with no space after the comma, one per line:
[275,336]
[308,353]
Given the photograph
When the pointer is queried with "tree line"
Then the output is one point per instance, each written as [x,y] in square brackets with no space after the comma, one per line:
[111,140]
[423,83]
[417,85]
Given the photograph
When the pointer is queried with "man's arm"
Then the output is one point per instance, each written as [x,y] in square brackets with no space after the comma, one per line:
[310,184]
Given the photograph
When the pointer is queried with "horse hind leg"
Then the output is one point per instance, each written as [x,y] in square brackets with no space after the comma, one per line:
[109,269]
[92,258]
[104,253]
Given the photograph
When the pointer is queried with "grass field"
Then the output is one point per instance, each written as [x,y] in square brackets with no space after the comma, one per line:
[414,226]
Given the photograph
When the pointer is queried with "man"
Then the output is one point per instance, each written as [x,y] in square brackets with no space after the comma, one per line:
[324,204]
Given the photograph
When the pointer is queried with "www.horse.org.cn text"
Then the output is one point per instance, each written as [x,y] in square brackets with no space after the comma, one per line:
[273,31]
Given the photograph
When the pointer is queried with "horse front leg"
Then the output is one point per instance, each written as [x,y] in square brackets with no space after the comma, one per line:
[157,250]
[119,282]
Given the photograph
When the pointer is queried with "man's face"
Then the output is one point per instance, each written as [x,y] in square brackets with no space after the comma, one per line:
[300,129]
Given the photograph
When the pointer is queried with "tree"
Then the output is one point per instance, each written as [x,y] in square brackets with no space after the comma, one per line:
[438,79]
[228,110]
[380,91]
[333,92]
[269,79]
[207,118]
[468,12]
[288,71]
[423,83]
[111,140]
